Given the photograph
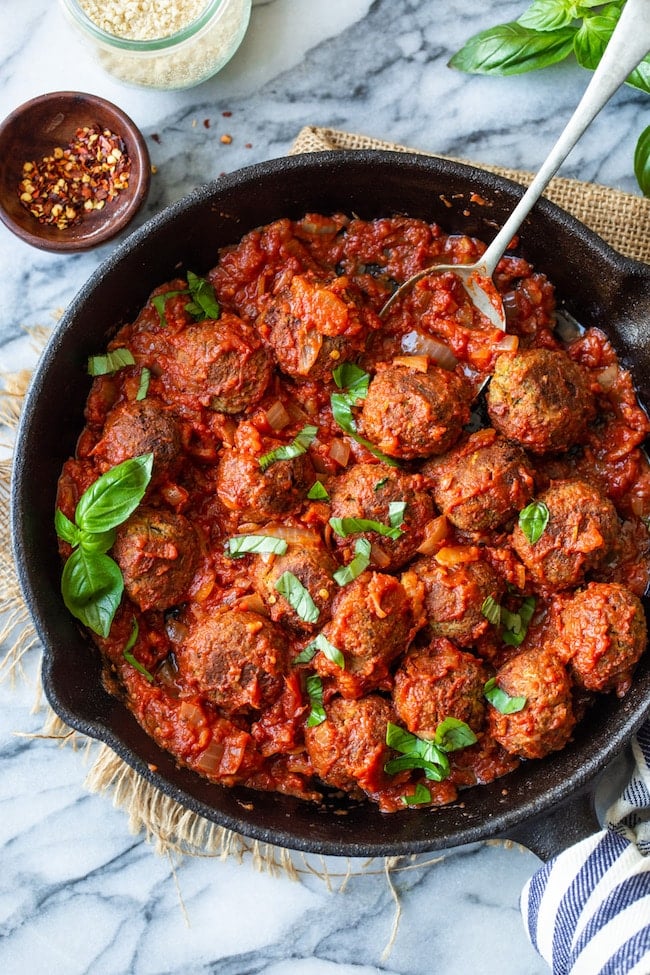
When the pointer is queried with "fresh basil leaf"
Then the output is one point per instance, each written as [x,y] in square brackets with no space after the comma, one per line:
[380,484]
[396,511]
[143,388]
[65,529]
[533,520]
[640,77]
[501,700]
[592,38]
[314,688]
[415,751]
[299,445]
[240,545]
[547,15]
[509,49]
[159,302]
[318,492]
[92,587]
[359,563]
[418,797]
[354,383]
[432,770]
[350,526]
[452,734]
[289,586]
[103,365]
[323,644]
[642,161]
[491,610]
[353,378]
[114,495]
[97,541]
[133,637]
[517,623]
[204,302]
[130,658]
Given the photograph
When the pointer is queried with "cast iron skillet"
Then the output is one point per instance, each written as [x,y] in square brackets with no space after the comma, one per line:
[545,804]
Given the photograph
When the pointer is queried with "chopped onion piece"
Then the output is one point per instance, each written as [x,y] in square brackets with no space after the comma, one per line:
[434,533]
[340,451]
[419,343]
[277,416]
[379,556]
[455,554]
[191,714]
[509,343]
[418,362]
[608,376]
[310,342]
[293,534]
[176,631]
[210,759]
[252,603]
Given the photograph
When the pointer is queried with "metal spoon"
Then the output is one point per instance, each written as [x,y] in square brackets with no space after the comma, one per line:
[628,45]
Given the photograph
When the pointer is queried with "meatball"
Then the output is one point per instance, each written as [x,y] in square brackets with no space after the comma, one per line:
[482,483]
[223,363]
[311,326]
[437,682]
[454,596]
[237,659]
[410,414]
[158,554]
[604,629]
[348,750]
[366,491]
[546,721]
[313,567]
[257,494]
[540,398]
[372,623]
[580,535]
[142,427]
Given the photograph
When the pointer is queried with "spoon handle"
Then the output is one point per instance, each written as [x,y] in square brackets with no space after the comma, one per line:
[628,45]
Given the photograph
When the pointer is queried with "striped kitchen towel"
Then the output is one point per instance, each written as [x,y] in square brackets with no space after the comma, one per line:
[587,911]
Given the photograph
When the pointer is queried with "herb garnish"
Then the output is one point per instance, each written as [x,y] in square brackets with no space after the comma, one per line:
[353,382]
[320,643]
[299,598]
[91,583]
[548,32]
[515,624]
[533,520]
[349,526]
[202,304]
[104,365]
[419,796]
[143,388]
[359,563]
[318,492]
[240,545]
[426,754]
[314,688]
[299,445]
[501,700]
[128,656]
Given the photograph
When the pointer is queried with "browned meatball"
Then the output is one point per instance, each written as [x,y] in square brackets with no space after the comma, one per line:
[581,533]
[222,362]
[546,721]
[158,554]
[372,623]
[142,427]
[540,398]
[312,326]
[257,494]
[237,659]
[348,750]
[366,491]
[454,596]
[604,629]
[481,484]
[313,567]
[437,682]
[411,414]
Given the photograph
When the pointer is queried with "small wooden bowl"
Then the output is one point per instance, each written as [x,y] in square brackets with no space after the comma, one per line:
[49,121]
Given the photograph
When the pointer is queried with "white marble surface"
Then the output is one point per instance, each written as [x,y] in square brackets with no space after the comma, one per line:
[78,892]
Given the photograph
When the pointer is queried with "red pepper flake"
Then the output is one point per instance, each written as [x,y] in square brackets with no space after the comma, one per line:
[206,123]
[227,114]
[84,176]
[226,139]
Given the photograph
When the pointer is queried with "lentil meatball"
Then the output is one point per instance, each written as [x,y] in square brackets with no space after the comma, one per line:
[348,750]
[158,553]
[580,535]
[546,721]
[540,398]
[313,566]
[238,659]
[437,682]
[481,484]
[454,596]
[140,427]
[366,491]
[372,623]
[257,494]
[410,414]
[604,629]
[222,362]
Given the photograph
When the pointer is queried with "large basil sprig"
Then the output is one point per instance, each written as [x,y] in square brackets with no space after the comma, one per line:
[91,583]
[547,32]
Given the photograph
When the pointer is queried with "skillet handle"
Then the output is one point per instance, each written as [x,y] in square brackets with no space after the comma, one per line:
[559,828]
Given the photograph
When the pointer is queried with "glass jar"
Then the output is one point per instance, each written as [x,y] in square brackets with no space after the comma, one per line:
[181,59]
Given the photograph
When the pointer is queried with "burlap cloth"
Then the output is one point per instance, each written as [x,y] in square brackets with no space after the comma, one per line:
[622,219]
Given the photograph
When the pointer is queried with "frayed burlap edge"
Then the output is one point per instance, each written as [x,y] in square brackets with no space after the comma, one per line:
[621,219]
